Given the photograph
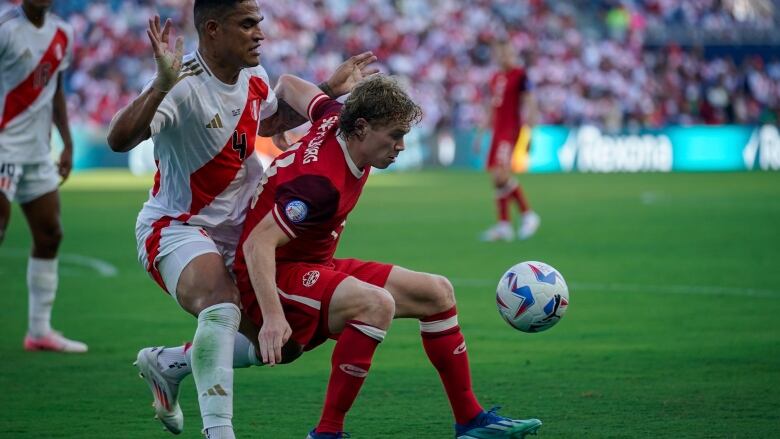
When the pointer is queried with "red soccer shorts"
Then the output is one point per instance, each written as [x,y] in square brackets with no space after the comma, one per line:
[502,146]
[305,291]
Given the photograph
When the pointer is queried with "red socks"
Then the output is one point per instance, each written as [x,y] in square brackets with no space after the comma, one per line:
[511,191]
[350,363]
[446,348]
[502,207]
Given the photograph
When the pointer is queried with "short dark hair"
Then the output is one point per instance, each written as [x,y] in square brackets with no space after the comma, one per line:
[380,100]
[205,10]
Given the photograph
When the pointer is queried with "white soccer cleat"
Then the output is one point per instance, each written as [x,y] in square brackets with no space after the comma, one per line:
[165,390]
[55,342]
[529,225]
[501,231]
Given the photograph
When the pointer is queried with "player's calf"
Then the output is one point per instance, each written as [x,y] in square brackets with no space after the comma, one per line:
[360,313]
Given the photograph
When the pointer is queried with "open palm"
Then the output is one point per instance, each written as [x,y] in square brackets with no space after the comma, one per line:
[168,57]
[351,71]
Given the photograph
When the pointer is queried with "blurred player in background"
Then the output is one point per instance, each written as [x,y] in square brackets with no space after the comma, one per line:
[36,46]
[292,229]
[512,105]
[203,112]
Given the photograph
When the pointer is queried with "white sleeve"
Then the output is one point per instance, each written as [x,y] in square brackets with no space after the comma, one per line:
[270,104]
[167,114]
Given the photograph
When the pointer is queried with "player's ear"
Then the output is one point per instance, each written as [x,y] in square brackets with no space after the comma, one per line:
[211,27]
[361,126]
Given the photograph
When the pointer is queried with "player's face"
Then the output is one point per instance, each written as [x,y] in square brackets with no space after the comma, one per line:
[505,55]
[384,143]
[241,35]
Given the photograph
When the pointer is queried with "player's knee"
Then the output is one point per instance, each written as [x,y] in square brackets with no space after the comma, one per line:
[223,293]
[48,238]
[442,293]
[205,292]
[499,181]
[378,307]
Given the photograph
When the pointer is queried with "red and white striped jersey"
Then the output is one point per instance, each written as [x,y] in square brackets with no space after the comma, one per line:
[204,135]
[30,60]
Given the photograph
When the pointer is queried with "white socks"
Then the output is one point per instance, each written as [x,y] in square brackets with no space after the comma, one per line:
[177,363]
[42,288]
[212,368]
[222,432]
[244,353]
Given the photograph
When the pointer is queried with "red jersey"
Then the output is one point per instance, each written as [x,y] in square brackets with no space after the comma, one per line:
[309,189]
[506,87]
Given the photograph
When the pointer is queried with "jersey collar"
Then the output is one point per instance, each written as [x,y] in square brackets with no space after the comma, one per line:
[357,172]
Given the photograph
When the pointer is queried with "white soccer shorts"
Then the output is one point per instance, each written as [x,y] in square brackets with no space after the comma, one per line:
[165,250]
[25,182]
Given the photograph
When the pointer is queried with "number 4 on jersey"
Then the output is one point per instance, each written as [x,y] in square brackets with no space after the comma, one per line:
[239,144]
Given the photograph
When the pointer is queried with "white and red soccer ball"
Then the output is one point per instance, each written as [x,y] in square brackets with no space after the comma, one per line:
[532,296]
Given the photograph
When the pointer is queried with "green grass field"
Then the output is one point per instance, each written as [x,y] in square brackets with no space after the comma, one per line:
[672,331]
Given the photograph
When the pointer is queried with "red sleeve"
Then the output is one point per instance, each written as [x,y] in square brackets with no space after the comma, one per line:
[304,202]
[322,106]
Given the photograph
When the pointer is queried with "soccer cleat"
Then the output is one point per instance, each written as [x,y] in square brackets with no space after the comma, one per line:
[492,425]
[501,231]
[165,390]
[529,225]
[53,341]
[314,435]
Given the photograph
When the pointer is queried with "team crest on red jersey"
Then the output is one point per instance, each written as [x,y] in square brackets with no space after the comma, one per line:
[296,211]
[310,278]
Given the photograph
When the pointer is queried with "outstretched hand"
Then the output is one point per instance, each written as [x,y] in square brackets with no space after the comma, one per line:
[352,71]
[168,57]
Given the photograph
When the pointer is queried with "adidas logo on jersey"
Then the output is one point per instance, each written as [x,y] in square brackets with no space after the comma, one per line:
[216,122]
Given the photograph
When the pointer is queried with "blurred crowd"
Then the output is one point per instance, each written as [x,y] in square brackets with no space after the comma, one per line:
[587,62]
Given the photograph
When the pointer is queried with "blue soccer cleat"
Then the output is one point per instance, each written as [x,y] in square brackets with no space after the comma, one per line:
[314,435]
[492,425]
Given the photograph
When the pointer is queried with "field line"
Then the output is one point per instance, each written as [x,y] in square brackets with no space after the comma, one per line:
[706,290]
[100,266]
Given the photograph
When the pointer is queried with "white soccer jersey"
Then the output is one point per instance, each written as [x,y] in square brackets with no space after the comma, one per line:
[30,60]
[204,134]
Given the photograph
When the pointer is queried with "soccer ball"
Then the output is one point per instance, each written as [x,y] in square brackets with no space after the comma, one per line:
[532,296]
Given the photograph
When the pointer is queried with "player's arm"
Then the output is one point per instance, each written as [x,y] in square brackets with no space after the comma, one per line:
[346,76]
[285,118]
[260,253]
[60,117]
[131,125]
[297,92]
